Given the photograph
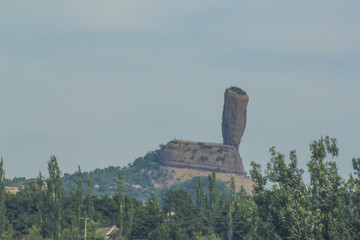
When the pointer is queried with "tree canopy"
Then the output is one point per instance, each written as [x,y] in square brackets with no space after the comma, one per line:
[282,205]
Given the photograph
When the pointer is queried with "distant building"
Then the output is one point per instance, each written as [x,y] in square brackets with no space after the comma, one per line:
[12,190]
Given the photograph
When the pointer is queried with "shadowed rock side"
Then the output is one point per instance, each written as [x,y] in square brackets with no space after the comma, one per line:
[205,156]
[234,116]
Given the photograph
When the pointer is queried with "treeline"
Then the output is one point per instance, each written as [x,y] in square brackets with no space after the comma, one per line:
[141,172]
[282,206]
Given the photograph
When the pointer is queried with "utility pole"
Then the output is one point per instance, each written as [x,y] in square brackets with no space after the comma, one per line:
[85,226]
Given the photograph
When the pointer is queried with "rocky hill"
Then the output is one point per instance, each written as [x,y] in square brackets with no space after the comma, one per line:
[214,156]
[146,175]
[178,163]
[202,156]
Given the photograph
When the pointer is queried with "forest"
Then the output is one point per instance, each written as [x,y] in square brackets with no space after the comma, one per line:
[282,206]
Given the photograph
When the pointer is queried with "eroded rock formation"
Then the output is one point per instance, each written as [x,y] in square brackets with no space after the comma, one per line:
[213,156]
[234,116]
[205,156]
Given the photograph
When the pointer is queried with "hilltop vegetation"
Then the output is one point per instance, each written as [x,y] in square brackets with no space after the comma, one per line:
[237,90]
[137,177]
[18,182]
[282,206]
[139,181]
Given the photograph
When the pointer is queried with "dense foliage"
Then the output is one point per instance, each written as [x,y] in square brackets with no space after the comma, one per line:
[137,178]
[282,206]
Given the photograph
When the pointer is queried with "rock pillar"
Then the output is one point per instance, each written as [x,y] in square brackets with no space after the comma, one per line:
[234,116]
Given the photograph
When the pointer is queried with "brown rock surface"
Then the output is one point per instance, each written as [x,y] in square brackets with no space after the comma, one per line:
[204,156]
[213,156]
[234,116]
[177,175]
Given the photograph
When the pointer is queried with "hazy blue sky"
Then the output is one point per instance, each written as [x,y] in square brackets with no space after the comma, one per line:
[99,83]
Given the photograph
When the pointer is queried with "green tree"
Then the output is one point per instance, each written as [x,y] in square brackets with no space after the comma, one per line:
[120,185]
[231,208]
[181,216]
[79,200]
[143,223]
[200,236]
[160,233]
[69,234]
[153,213]
[213,191]
[130,218]
[40,199]
[166,231]
[8,234]
[56,195]
[326,185]
[244,216]
[92,234]
[213,201]
[34,234]
[284,210]
[353,208]
[201,199]
[21,212]
[222,217]
[89,201]
[106,210]
[2,198]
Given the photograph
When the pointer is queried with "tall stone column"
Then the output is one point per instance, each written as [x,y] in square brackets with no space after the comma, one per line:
[234,116]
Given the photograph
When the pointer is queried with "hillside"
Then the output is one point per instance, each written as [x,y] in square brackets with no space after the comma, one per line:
[176,164]
[146,175]
[142,177]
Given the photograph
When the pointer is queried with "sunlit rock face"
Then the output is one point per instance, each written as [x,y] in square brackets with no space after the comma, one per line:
[203,156]
[214,156]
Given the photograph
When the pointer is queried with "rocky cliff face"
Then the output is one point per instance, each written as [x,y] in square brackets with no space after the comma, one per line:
[234,116]
[205,156]
[213,156]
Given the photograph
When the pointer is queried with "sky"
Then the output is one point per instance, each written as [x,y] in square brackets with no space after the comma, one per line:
[100,83]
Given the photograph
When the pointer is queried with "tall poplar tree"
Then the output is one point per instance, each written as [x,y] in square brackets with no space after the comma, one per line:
[200,195]
[213,191]
[121,201]
[79,199]
[40,202]
[231,207]
[56,194]
[130,218]
[153,213]
[89,202]
[213,202]
[2,198]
